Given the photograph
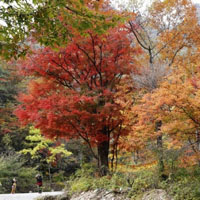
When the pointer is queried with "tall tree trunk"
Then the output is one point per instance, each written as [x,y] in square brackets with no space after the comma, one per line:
[160,148]
[112,160]
[103,151]
[50,178]
[198,143]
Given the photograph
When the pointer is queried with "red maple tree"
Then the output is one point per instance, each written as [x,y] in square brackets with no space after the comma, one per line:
[73,95]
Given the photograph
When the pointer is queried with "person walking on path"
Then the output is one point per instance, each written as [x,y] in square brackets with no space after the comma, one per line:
[14,185]
[39,182]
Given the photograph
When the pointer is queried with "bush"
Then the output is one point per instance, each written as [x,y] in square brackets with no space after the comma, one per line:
[142,181]
[81,184]
[86,179]
[131,183]
[186,184]
[108,183]
[82,180]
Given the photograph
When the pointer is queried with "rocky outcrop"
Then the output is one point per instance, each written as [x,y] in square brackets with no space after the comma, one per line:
[157,194]
[90,195]
[64,196]
[99,195]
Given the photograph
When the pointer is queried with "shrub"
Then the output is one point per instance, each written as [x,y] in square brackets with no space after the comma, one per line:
[186,184]
[85,179]
[143,180]
[82,180]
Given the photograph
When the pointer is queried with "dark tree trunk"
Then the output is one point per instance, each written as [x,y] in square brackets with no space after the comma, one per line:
[198,143]
[103,151]
[160,147]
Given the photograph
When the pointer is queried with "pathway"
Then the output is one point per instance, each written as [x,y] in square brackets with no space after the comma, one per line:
[26,196]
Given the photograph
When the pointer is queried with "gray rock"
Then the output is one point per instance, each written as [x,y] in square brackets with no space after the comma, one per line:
[157,194]
[99,195]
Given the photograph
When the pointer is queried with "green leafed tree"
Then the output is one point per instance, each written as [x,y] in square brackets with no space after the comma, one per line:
[50,21]
[43,150]
[39,144]
[10,134]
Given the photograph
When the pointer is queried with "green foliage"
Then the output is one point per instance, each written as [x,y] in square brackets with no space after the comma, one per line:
[11,136]
[83,184]
[87,178]
[185,189]
[82,180]
[132,183]
[50,23]
[38,143]
[185,184]
[48,157]
[169,157]
[143,180]
[13,166]
[58,180]
[8,87]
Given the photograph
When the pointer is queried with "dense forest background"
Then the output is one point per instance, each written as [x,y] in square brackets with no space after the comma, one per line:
[97,97]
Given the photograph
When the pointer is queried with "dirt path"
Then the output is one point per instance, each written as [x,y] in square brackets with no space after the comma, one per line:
[26,196]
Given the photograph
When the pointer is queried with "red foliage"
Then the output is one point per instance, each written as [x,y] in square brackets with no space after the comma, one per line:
[73,96]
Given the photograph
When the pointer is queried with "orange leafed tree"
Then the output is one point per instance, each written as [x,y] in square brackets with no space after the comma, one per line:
[176,104]
[168,34]
[165,29]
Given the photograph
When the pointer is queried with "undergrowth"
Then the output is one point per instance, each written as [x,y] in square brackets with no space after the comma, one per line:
[183,184]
